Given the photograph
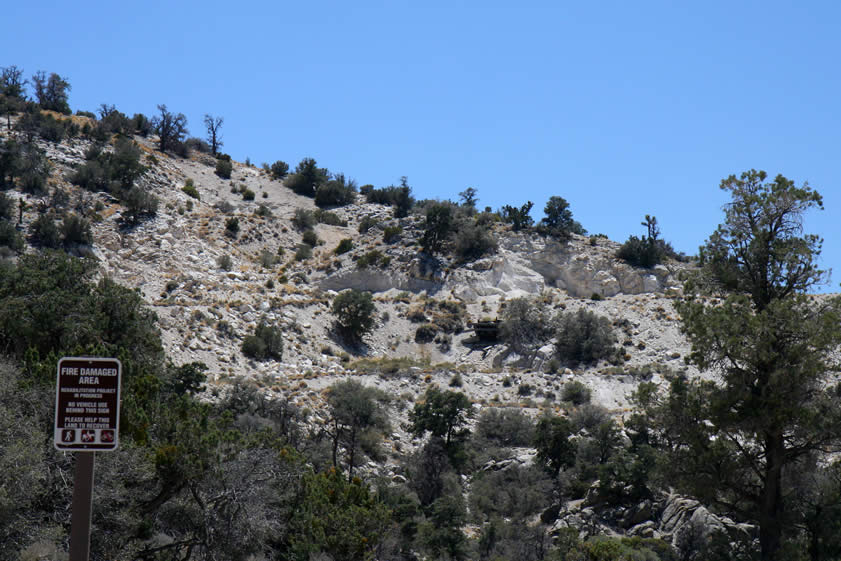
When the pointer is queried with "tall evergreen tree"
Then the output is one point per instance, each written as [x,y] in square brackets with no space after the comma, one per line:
[558,221]
[51,92]
[769,347]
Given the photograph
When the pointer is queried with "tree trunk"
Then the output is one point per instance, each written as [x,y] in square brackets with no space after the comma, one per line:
[335,444]
[351,454]
[770,526]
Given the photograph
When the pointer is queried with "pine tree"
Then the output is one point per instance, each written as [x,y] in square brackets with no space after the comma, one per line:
[768,408]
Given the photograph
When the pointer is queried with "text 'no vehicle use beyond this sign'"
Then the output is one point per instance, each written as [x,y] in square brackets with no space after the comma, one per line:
[87,411]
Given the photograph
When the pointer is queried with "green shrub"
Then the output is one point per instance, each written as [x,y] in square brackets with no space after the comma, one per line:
[310,238]
[326,217]
[254,347]
[279,170]
[308,177]
[248,195]
[587,416]
[398,197]
[10,237]
[76,230]
[266,343]
[487,218]
[45,299]
[392,233]
[263,211]
[648,251]
[92,175]
[25,165]
[44,231]
[190,189]
[516,492]
[225,262]
[519,218]
[444,315]
[224,168]
[576,393]
[304,219]
[343,519]
[367,223]
[232,227]
[336,192]
[344,246]
[46,126]
[139,203]
[584,337]
[525,325]
[355,313]
[303,252]
[385,196]
[473,242]
[268,259]
[506,427]
[603,548]
[425,333]
[113,172]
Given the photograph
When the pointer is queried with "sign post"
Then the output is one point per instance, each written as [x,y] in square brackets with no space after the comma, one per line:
[87,419]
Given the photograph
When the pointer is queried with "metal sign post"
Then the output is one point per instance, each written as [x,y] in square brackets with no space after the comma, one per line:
[87,419]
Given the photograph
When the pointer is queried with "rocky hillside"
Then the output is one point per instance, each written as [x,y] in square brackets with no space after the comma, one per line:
[211,285]
[211,288]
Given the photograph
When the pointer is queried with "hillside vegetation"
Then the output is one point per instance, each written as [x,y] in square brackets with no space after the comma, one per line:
[319,370]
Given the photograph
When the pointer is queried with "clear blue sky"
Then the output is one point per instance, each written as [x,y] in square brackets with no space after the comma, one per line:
[622,108]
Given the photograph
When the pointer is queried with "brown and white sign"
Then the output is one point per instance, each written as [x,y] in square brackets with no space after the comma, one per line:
[87,404]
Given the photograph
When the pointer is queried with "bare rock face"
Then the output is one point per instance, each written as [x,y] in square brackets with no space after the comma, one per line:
[371,280]
[584,268]
[506,274]
[687,523]
[683,522]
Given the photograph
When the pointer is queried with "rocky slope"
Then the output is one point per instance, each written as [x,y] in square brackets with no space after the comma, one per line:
[206,306]
[205,310]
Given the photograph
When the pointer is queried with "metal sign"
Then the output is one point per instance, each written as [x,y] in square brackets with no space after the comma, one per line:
[87,404]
